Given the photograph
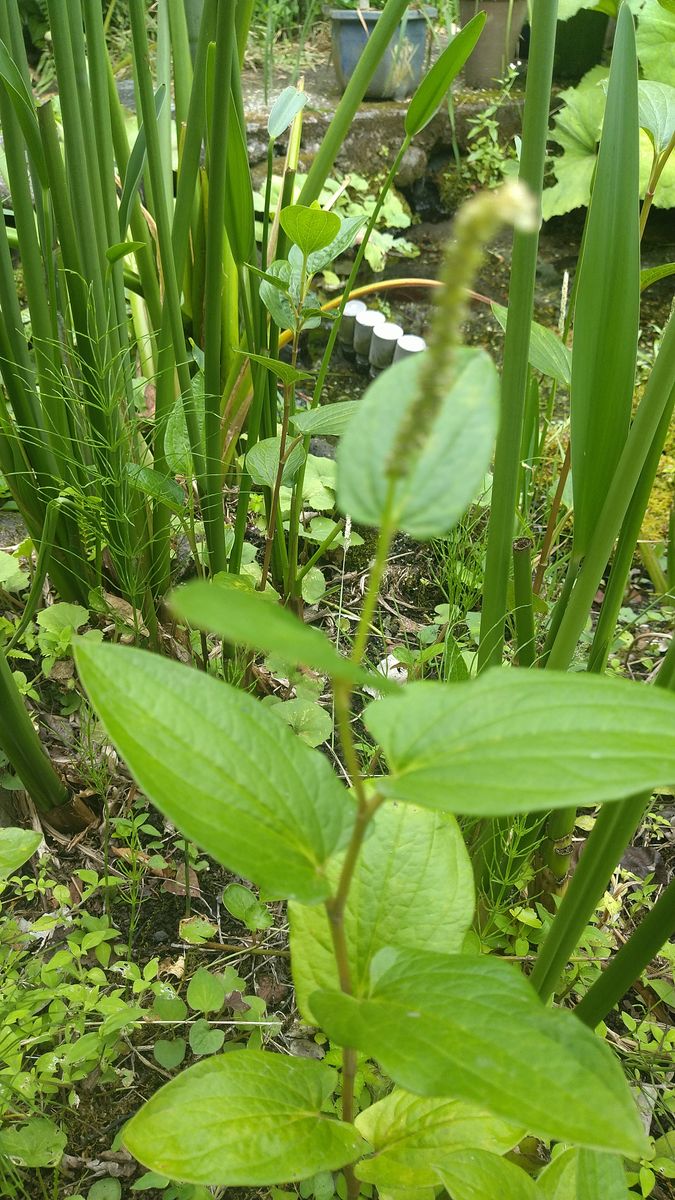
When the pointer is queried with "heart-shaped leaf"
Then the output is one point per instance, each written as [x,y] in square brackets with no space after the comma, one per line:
[310,229]
[262,462]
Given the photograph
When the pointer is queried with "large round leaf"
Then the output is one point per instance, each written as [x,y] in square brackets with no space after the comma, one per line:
[448,472]
[247,1118]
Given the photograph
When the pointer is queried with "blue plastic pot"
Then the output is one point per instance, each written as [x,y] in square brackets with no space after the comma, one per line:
[402,65]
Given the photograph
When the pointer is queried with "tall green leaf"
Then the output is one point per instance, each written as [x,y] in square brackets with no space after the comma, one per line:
[524,741]
[199,749]
[449,470]
[244,1119]
[430,93]
[136,166]
[412,887]
[547,352]
[608,297]
[284,111]
[473,1028]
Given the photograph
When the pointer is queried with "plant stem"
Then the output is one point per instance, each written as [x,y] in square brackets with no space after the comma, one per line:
[613,829]
[23,748]
[657,168]
[524,614]
[657,398]
[516,345]
[344,114]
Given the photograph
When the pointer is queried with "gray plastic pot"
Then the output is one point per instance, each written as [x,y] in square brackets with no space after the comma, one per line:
[493,52]
[402,65]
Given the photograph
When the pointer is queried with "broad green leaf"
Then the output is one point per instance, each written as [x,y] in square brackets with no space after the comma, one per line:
[656,106]
[413,887]
[244,906]
[136,166]
[331,419]
[284,111]
[524,741]
[473,1028]
[105,1189]
[249,619]
[656,42]
[170,1052]
[167,1006]
[600,1177]
[58,617]
[547,352]
[156,486]
[558,1181]
[206,991]
[254,1119]
[262,462]
[340,244]
[313,585]
[199,749]
[204,1039]
[429,95]
[275,300]
[16,847]
[479,1175]
[607,306]
[576,129]
[451,467]
[318,489]
[309,721]
[583,1175]
[177,446]
[12,577]
[653,274]
[121,250]
[310,229]
[38,1143]
[284,371]
[412,1137]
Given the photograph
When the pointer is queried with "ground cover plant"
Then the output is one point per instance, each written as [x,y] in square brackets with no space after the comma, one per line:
[124,426]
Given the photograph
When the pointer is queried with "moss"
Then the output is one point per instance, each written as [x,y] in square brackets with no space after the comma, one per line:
[655,524]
